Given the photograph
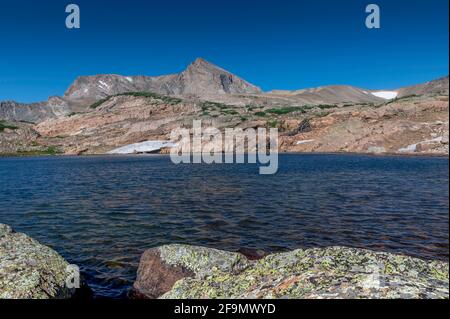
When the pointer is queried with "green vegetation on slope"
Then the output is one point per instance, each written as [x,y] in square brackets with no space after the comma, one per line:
[214,105]
[261,114]
[286,110]
[398,99]
[49,151]
[166,99]
[4,125]
[299,109]
[223,109]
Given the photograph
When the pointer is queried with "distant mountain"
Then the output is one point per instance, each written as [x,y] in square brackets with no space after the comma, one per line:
[331,94]
[437,86]
[345,93]
[200,79]
[34,112]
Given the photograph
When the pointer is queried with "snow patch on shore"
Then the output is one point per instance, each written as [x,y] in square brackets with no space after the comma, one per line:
[387,95]
[413,147]
[144,147]
[408,149]
[304,142]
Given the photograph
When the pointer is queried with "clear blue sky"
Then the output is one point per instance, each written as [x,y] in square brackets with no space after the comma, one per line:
[275,44]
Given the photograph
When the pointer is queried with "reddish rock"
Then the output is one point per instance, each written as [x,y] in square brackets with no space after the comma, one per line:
[155,277]
[252,254]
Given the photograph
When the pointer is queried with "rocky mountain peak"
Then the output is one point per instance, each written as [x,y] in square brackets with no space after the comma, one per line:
[200,61]
[201,64]
[201,78]
[204,78]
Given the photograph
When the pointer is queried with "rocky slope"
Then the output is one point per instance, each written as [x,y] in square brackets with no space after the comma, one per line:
[187,272]
[29,270]
[414,125]
[439,86]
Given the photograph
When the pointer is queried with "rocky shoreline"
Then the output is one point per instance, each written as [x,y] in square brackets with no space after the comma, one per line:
[29,270]
[166,153]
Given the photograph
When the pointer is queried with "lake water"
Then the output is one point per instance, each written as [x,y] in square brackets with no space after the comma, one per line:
[101,213]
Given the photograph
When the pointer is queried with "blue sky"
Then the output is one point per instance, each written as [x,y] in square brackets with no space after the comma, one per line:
[275,44]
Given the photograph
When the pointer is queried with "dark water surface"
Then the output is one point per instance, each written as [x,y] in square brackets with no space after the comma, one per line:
[101,213]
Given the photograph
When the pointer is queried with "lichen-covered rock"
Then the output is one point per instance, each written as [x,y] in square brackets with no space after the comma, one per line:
[29,270]
[334,272]
[160,268]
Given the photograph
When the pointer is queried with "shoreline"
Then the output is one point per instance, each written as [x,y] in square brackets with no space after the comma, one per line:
[427,155]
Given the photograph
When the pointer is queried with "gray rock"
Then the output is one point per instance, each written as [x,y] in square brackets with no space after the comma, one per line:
[444,140]
[29,270]
[329,273]
[376,150]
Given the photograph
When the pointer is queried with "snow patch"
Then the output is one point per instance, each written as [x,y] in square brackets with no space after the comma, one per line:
[144,147]
[129,79]
[413,147]
[408,149]
[387,95]
[304,142]
[103,85]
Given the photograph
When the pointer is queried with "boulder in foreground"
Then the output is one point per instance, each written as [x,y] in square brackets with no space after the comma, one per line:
[180,271]
[29,270]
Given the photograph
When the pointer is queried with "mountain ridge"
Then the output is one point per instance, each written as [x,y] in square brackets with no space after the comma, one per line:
[201,80]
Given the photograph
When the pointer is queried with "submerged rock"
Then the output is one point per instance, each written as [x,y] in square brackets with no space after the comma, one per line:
[179,271]
[29,270]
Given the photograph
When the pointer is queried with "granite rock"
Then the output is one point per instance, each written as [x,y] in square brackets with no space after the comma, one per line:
[320,273]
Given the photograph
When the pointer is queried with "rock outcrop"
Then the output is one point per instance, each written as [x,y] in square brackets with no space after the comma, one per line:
[414,125]
[179,271]
[29,270]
